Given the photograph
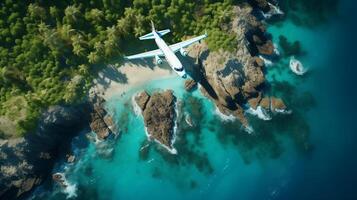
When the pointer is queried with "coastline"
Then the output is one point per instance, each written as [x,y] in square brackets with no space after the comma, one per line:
[130,75]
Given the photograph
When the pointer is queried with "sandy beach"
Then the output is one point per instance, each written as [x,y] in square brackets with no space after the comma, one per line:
[117,80]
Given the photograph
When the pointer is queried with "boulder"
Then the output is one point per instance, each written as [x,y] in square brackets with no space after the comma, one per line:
[266,48]
[254,102]
[277,104]
[265,103]
[258,62]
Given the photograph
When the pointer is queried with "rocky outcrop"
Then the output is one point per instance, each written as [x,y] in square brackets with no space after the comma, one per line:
[190,84]
[272,104]
[60,179]
[101,122]
[277,105]
[27,161]
[158,111]
[231,79]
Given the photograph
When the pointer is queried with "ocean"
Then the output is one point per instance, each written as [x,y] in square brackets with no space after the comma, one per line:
[305,155]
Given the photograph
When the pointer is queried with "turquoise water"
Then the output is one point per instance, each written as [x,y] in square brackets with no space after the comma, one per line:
[305,155]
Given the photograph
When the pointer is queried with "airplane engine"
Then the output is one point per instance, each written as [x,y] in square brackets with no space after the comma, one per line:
[158,60]
[183,52]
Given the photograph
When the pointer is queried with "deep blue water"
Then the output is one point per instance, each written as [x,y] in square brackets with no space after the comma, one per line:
[306,155]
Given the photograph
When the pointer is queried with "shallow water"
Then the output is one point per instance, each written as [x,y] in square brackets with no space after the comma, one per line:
[305,155]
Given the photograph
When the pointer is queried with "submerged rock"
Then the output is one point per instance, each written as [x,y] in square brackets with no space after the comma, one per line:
[158,111]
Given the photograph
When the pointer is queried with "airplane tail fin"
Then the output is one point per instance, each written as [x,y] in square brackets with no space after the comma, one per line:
[152,26]
[151,35]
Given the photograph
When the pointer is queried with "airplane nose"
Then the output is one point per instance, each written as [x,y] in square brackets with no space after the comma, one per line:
[184,76]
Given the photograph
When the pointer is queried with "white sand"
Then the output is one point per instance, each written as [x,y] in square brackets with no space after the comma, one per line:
[115,81]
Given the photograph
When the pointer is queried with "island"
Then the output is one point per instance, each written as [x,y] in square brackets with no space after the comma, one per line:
[54,53]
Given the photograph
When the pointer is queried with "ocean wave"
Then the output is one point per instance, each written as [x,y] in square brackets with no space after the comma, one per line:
[224,117]
[70,190]
[274,10]
[136,108]
[266,61]
[260,112]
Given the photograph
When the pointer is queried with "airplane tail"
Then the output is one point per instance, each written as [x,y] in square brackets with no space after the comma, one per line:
[151,35]
[152,26]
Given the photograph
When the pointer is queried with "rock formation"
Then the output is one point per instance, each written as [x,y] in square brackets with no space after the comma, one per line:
[158,111]
[231,79]
[272,104]
[101,123]
[27,161]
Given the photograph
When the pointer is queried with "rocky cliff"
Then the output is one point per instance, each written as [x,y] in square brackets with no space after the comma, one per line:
[26,162]
[158,111]
[231,79]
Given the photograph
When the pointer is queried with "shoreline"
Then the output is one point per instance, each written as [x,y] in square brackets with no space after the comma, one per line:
[130,75]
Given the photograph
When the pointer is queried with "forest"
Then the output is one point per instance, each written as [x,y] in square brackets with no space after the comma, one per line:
[50,51]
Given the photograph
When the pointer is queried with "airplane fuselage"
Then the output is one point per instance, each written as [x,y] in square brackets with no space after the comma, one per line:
[170,56]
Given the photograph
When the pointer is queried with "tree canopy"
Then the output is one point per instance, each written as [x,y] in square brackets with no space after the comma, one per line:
[51,50]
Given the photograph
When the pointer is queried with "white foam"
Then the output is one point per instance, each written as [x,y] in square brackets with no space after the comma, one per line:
[223,116]
[294,65]
[249,129]
[70,190]
[274,10]
[276,50]
[188,119]
[267,62]
[283,111]
[260,112]
[136,108]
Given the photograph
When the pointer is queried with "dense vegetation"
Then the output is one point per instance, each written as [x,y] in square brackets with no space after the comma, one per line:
[51,50]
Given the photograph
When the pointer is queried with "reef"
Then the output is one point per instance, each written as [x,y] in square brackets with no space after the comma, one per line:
[158,111]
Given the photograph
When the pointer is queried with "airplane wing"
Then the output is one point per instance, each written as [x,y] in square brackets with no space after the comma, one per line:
[176,47]
[147,54]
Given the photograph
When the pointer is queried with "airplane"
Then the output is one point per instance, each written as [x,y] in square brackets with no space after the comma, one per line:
[166,51]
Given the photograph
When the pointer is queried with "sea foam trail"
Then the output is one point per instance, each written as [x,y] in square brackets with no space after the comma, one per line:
[260,113]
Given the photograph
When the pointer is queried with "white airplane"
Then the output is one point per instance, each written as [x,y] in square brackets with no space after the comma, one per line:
[167,51]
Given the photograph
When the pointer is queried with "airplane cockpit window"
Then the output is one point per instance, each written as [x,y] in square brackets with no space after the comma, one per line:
[179,69]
